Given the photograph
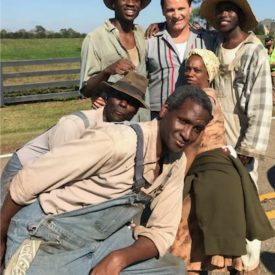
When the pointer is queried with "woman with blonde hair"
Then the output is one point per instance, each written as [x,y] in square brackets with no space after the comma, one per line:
[221,208]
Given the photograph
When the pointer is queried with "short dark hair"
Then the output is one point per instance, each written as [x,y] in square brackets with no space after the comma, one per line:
[194,93]
[162,3]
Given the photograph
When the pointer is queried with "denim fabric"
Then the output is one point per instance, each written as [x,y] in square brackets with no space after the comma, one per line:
[10,170]
[74,242]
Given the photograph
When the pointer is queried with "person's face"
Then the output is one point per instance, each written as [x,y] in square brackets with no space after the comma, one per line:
[177,14]
[195,72]
[127,9]
[182,126]
[227,16]
[120,107]
[268,42]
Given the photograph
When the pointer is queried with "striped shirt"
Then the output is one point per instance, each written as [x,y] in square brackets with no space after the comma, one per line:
[164,68]
[244,90]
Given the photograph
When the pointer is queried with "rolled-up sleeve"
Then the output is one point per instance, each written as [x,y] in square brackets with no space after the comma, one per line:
[166,208]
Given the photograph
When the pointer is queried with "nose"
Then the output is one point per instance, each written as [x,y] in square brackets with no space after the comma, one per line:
[131,2]
[123,103]
[223,13]
[186,132]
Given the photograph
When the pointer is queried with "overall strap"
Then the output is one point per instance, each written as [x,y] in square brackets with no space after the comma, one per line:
[139,181]
[83,117]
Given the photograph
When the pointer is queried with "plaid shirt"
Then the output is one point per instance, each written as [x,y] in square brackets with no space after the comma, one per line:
[245,93]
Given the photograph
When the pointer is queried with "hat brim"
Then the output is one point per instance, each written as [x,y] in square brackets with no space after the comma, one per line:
[207,10]
[124,91]
[109,4]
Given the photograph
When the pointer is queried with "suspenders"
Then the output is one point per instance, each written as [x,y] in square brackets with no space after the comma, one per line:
[83,117]
[139,181]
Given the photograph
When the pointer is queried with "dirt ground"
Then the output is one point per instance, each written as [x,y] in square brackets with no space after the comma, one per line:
[266,185]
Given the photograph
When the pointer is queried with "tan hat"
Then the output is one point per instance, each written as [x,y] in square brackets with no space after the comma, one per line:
[132,84]
[110,3]
[208,7]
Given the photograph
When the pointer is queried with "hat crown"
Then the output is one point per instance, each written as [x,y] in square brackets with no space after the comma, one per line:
[135,82]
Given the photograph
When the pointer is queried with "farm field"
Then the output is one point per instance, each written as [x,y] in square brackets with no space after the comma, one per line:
[20,123]
[27,49]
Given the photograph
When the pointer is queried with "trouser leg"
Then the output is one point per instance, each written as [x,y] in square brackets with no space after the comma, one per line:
[166,265]
[252,259]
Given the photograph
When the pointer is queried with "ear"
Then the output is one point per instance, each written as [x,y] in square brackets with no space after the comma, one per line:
[163,110]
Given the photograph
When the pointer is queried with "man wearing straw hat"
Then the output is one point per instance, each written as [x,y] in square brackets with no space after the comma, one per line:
[123,99]
[243,86]
[113,49]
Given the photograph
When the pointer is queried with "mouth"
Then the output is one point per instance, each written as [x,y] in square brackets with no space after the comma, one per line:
[223,22]
[180,143]
[189,80]
[130,12]
[119,114]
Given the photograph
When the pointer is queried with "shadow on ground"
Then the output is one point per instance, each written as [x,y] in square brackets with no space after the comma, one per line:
[271,176]
[268,260]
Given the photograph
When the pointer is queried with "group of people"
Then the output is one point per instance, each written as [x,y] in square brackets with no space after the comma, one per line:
[173,191]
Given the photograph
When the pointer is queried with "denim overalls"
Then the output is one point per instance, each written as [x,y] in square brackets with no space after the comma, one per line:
[74,242]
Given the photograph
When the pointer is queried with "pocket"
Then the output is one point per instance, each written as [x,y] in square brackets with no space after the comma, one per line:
[113,218]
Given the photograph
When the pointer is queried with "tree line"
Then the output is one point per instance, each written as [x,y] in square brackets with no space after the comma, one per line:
[40,32]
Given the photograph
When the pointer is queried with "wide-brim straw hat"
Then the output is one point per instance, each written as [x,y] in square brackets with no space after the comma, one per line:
[208,8]
[132,84]
[110,4]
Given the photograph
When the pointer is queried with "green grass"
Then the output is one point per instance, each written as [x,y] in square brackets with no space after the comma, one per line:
[20,123]
[25,49]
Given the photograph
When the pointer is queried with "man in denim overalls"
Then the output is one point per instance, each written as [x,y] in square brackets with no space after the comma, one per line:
[82,196]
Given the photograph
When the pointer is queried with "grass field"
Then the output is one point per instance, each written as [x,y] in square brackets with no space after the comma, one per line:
[25,49]
[19,123]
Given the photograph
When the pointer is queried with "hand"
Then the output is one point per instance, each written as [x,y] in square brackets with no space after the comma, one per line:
[244,159]
[151,30]
[121,67]
[98,102]
[110,265]
[196,26]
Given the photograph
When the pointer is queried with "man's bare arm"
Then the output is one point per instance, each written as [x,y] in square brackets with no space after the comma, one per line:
[8,210]
[117,260]
[121,67]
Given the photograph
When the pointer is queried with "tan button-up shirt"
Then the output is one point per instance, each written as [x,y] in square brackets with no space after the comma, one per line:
[68,128]
[100,166]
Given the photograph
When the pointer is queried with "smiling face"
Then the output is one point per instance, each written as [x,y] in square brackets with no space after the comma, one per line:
[177,14]
[120,107]
[227,16]
[127,10]
[182,126]
[195,72]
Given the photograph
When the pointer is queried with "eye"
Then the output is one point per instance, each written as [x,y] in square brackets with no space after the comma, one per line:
[197,70]
[198,129]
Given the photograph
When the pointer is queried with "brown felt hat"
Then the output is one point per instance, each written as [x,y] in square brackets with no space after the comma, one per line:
[110,4]
[208,7]
[132,84]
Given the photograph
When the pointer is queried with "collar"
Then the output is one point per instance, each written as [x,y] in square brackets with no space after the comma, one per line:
[110,27]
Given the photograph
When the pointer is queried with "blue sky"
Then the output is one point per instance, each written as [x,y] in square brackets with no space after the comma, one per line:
[85,15]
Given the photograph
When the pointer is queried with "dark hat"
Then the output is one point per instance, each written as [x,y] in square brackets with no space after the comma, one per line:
[132,84]
[208,7]
[110,3]
[268,38]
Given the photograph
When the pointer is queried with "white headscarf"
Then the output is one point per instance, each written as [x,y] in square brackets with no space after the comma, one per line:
[210,61]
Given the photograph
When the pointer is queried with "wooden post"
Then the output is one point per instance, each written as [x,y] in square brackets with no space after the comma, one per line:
[2,103]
